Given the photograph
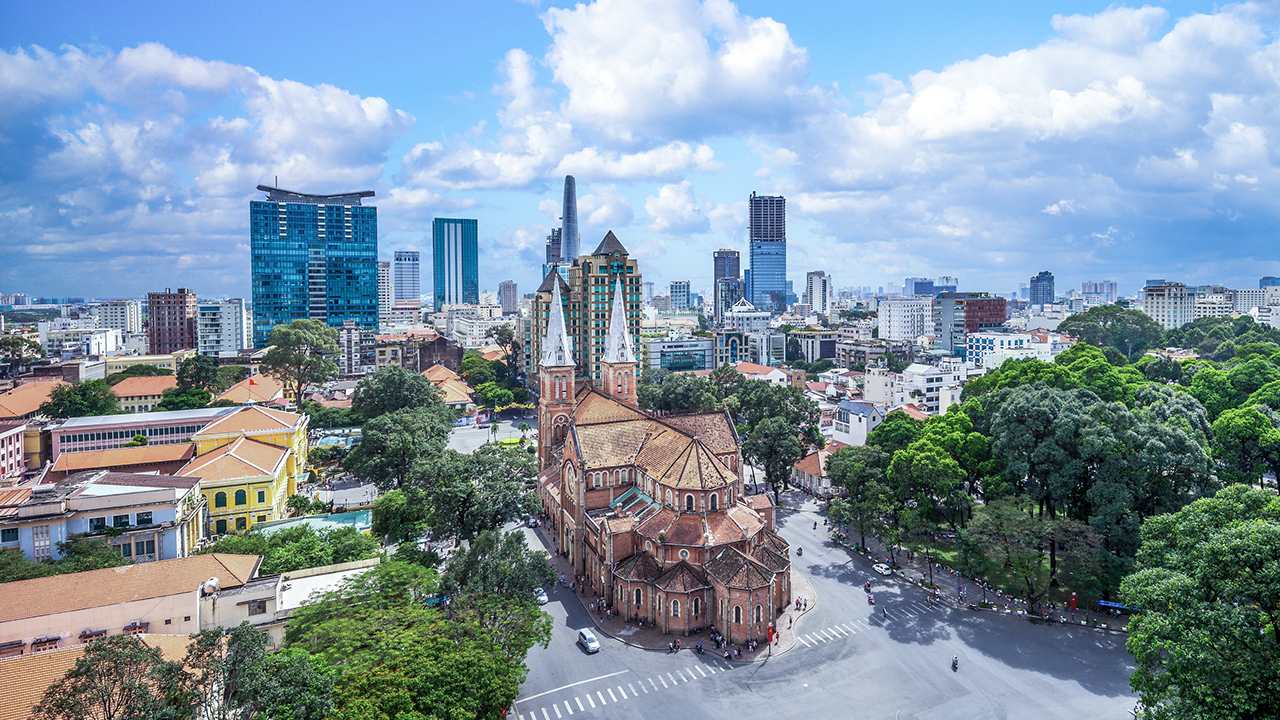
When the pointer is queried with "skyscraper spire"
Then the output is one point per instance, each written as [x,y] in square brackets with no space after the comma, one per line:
[617,344]
[556,348]
[569,237]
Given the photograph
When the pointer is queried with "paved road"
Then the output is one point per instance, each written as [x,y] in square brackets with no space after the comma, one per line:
[850,662]
[467,439]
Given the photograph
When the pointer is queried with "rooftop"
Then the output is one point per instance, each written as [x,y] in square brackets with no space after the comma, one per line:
[289,196]
[144,386]
[26,399]
[242,458]
[253,389]
[251,419]
[201,415]
[123,457]
[128,583]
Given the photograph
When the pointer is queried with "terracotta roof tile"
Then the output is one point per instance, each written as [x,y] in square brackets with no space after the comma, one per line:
[770,558]
[26,399]
[656,523]
[594,407]
[760,502]
[913,411]
[123,457]
[144,386]
[251,419]
[241,458]
[681,578]
[254,389]
[697,468]
[746,519]
[712,428]
[438,373]
[640,566]
[112,586]
[454,391]
[612,444]
[731,567]
[722,530]
[774,541]
[687,530]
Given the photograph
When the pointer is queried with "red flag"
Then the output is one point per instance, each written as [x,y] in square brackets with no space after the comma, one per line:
[251,382]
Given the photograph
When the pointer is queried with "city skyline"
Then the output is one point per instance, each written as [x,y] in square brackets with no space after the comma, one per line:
[126,163]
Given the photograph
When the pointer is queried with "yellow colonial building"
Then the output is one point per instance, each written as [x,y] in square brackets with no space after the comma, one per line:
[249,463]
[164,362]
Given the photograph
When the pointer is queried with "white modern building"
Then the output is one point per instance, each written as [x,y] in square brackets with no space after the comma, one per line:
[745,318]
[123,315]
[357,350]
[854,421]
[680,354]
[906,318]
[386,292]
[817,292]
[1168,303]
[223,327]
[982,345]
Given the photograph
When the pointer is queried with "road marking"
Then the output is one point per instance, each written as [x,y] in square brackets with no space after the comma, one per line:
[704,672]
[579,701]
[664,682]
[593,702]
[806,644]
[545,715]
[633,689]
[601,696]
[557,709]
[568,707]
[673,680]
[655,686]
[711,668]
[564,687]
[832,635]
[816,637]
[841,630]
[612,696]
[851,628]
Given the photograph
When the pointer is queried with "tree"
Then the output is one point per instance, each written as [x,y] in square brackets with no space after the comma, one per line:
[1242,438]
[231,675]
[476,370]
[299,355]
[393,388]
[137,441]
[1009,534]
[15,350]
[198,371]
[665,391]
[493,395]
[399,516]
[504,336]
[390,444]
[289,685]
[298,505]
[1207,644]
[299,548]
[77,554]
[136,371]
[757,400]
[774,446]
[896,432]
[1130,332]
[117,678]
[82,399]
[861,470]
[178,398]
[524,429]
[229,375]
[469,494]
[497,564]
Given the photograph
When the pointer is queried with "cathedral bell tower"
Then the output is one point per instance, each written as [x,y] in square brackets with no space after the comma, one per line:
[555,380]
[618,365]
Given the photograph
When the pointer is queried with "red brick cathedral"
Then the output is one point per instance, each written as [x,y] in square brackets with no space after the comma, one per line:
[650,508]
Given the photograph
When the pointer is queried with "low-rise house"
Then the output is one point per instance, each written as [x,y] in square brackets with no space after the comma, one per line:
[455,392]
[810,473]
[24,401]
[854,421]
[162,459]
[144,517]
[141,394]
[12,461]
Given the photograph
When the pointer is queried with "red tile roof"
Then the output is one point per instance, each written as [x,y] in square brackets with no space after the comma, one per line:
[144,386]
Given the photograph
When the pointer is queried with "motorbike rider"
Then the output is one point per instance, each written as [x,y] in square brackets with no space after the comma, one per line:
[955,661]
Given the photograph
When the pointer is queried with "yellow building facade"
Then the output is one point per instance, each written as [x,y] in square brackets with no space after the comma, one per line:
[164,362]
[249,463]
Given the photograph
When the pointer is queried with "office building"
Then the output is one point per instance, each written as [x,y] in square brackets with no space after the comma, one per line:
[679,295]
[1042,288]
[727,264]
[647,291]
[680,354]
[223,327]
[906,318]
[957,314]
[408,279]
[313,256]
[746,319]
[553,248]
[508,297]
[1269,281]
[122,315]
[917,286]
[946,283]
[171,321]
[817,292]
[767,288]
[357,350]
[588,286]
[1104,289]
[386,292]
[456,262]
[817,344]
[1168,303]
[570,239]
[728,292]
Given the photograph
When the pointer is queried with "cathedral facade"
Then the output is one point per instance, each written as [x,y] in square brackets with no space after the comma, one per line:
[650,509]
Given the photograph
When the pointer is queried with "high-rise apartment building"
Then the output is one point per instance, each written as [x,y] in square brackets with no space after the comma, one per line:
[553,249]
[768,236]
[1169,303]
[508,297]
[679,295]
[456,262]
[917,286]
[647,289]
[728,292]
[946,283]
[313,256]
[956,314]
[122,315]
[586,288]
[570,239]
[905,318]
[386,292]
[728,264]
[408,279]
[817,290]
[223,326]
[1042,288]
[1106,290]
[171,321]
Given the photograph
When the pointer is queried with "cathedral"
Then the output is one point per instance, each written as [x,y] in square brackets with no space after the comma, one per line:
[649,508]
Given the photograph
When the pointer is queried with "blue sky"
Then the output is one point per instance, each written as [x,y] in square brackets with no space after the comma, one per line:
[982,140]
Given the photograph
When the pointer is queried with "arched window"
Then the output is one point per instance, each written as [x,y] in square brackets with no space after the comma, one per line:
[675,608]
[715,499]
[220,500]
[595,479]
[697,607]
[637,597]
[688,503]
[758,613]
[668,498]
[241,497]
[240,523]
[737,614]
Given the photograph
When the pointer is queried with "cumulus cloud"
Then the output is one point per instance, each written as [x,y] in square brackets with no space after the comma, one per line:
[604,208]
[675,211]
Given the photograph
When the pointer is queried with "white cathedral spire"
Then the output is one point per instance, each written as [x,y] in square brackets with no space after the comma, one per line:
[556,348]
[617,344]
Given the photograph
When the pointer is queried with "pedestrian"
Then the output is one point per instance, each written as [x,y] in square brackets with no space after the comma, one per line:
[671,648]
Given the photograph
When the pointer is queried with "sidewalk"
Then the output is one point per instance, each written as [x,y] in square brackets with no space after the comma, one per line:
[649,637]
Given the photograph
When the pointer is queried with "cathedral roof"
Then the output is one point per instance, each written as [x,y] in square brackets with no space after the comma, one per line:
[681,578]
[611,444]
[610,245]
[695,467]
[721,530]
[557,351]
[594,407]
[731,567]
[712,428]
[547,282]
[774,541]
[617,344]
[640,566]
[769,558]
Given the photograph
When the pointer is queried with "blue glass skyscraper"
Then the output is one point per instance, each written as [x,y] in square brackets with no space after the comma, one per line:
[768,234]
[313,256]
[570,240]
[455,265]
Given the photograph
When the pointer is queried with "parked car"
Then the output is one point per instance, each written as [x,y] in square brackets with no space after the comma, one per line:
[588,641]
[541,596]
[532,522]
[882,569]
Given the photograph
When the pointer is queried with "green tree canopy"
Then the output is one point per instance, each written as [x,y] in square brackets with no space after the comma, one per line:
[299,355]
[400,515]
[116,378]
[497,564]
[1130,332]
[469,494]
[82,399]
[390,444]
[178,398]
[77,554]
[393,388]
[1207,644]
[15,350]
[117,677]
[299,548]
[198,371]
[666,391]
[775,447]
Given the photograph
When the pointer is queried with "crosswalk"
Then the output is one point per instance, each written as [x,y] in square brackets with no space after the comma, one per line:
[601,697]
[840,631]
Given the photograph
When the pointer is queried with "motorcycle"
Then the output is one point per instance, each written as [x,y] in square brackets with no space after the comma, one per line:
[867,587]
[871,599]
[699,648]
[955,663]
[799,551]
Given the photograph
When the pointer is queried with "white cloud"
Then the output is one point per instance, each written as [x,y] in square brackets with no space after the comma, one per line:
[604,209]
[1062,206]
[675,211]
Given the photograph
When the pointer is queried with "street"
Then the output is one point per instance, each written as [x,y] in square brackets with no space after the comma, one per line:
[466,439]
[849,661]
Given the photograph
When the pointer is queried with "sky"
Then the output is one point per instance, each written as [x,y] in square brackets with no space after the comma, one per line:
[982,140]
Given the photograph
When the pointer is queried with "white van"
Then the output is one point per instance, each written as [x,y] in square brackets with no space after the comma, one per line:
[588,641]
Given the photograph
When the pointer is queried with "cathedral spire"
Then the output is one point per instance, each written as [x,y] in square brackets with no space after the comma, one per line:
[617,344]
[556,348]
